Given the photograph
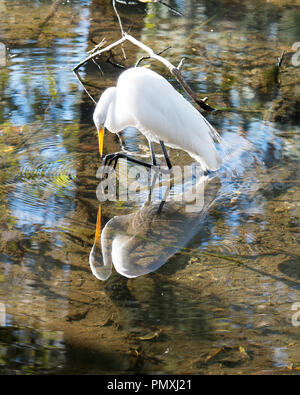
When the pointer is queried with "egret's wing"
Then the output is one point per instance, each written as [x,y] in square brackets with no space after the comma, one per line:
[161,112]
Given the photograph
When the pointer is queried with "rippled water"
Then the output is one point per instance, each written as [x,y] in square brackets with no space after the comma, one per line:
[207,291]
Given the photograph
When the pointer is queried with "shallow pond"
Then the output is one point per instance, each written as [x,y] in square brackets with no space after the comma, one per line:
[210,291]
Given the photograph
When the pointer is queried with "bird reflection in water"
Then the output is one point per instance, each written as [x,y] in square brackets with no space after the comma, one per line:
[144,240]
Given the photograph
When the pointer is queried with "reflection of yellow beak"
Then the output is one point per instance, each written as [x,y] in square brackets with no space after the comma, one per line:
[101,138]
[98,226]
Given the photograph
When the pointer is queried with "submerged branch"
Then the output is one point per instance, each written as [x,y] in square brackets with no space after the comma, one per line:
[53,9]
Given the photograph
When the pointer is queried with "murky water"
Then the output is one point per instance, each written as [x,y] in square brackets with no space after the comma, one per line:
[207,291]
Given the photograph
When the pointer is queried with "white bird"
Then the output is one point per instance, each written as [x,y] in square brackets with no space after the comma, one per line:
[145,100]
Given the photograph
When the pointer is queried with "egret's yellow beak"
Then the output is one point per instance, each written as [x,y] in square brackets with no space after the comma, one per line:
[101,138]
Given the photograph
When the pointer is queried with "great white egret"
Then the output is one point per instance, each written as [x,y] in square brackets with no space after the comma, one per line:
[145,100]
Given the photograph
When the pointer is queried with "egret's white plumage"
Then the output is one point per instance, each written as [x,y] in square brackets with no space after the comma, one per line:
[145,100]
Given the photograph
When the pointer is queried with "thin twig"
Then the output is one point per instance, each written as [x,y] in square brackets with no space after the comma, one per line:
[99,67]
[181,63]
[87,92]
[118,16]
[121,26]
[112,61]
[98,46]
[170,8]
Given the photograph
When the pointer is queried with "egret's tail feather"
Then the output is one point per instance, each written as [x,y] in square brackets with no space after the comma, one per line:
[212,131]
[213,163]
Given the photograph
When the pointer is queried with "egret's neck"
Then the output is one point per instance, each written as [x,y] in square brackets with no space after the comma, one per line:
[112,123]
[102,110]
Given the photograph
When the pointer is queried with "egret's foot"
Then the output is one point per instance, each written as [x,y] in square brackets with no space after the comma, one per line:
[110,158]
[106,165]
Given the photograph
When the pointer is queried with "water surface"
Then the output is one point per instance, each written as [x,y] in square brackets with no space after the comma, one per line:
[216,289]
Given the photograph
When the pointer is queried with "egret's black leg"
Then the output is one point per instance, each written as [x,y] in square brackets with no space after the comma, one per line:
[162,203]
[122,145]
[169,164]
[152,184]
[154,162]
[164,199]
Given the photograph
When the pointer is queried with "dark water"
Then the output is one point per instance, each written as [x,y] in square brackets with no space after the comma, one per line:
[217,289]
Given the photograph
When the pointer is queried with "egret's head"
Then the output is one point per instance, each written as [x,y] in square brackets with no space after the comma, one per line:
[100,113]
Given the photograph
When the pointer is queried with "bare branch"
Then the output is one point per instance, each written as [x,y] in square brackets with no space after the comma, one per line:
[173,69]
[148,57]
[54,7]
